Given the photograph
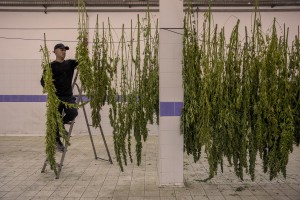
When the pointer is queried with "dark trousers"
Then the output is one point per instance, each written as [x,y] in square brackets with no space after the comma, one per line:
[69,113]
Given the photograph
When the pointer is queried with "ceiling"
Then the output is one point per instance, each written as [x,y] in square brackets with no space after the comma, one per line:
[143,3]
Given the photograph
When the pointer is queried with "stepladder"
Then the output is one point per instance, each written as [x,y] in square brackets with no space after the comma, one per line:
[59,165]
[66,144]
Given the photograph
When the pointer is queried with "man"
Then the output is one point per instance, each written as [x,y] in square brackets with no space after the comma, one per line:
[63,71]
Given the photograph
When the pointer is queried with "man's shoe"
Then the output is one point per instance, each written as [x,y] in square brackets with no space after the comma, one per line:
[59,146]
[69,122]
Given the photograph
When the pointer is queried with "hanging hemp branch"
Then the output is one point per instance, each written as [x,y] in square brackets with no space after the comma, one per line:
[240,98]
[118,111]
[154,72]
[96,102]
[140,122]
[277,116]
[150,70]
[146,85]
[100,77]
[191,79]
[53,116]
[82,53]
[54,120]
[113,98]
[294,66]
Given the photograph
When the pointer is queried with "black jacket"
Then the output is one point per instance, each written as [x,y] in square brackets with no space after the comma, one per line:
[62,77]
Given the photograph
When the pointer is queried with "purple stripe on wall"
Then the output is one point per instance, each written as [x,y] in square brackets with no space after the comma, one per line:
[23,98]
[166,108]
[27,98]
[170,108]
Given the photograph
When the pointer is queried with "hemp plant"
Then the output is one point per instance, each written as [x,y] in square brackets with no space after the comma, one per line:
[150,76]
[82,53]
[53,116]
[100,77]
[54,121]
[241,99]
[294,66]
[191,76]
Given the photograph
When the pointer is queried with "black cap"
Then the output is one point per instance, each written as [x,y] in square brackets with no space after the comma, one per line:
[61,46]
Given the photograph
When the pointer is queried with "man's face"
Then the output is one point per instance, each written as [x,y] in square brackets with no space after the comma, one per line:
[60,52]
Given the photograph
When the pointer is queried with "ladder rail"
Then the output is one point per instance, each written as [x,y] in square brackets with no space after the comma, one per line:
[65,150]
[89,130]
[86,120]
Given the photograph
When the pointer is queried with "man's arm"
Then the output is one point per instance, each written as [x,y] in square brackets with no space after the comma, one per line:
[42,79]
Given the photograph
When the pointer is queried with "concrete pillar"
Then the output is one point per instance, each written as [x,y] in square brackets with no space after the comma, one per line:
[170,93]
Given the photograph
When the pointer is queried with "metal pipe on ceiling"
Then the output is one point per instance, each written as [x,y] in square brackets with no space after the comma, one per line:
[105,3]
[143,9]
[134,3]
[74,9]
[140,5]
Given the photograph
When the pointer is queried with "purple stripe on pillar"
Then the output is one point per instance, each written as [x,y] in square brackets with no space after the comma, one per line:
[166,109]
[178,108]
[170,108]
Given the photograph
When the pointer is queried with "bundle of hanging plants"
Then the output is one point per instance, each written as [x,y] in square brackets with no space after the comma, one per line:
[100,77]
[53,117]
[294,66]
[54,120]
[126,76]
[84,66]
[134,94]
[241,98]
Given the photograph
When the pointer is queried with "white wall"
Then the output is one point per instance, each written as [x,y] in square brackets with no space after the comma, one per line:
[20,58]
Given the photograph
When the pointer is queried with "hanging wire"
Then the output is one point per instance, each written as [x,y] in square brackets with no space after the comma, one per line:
[54,40]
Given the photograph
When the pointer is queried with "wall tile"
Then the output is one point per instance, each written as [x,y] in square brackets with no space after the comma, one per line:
[171,36]
[170,137]
[171,65]
[170,80]
[171,17]
[170,94]
[170,124]
[170,51]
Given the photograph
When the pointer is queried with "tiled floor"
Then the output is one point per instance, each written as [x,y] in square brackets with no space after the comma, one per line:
[83,177]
